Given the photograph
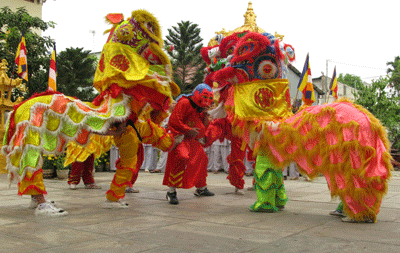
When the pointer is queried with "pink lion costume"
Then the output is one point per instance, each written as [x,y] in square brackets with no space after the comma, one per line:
[342,140]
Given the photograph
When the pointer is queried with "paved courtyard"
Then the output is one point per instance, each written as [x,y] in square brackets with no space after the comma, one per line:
[222,223]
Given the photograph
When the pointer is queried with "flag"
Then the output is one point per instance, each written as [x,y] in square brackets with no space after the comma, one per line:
[305,85]
[21,60]
[333,86]
[53,72]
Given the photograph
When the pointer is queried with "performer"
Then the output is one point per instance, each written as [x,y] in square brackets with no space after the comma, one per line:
[187,162]
[342,140]
[128,137]
[268,183]
[217,58]
[133,72]
[84,170]
[162,161]
[220,129]
[220,152]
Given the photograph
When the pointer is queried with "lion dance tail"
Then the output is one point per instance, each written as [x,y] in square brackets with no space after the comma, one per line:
[342,141]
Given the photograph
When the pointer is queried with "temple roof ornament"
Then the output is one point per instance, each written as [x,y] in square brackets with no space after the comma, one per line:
[279,36]
[249,25]
[250,16]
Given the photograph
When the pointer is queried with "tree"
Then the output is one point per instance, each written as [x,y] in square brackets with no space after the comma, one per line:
[75,71]
[187,62]
[394,73]
[12,25]
[380,102]
[351,80]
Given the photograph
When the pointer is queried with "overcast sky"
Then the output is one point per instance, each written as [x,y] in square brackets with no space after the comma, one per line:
[359,37]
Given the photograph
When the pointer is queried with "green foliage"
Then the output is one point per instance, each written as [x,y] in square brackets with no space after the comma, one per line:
[75,71]
[380,102]
[394,73]
[187,63]
[351,80]
[103,162]
[54,162]
[12,25]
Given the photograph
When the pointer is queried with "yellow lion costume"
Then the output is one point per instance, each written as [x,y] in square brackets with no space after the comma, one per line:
[133,73]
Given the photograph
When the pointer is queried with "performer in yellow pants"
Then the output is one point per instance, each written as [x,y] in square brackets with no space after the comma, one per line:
[128,143]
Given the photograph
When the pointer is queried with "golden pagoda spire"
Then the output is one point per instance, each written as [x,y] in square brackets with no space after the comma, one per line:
[250,16]
[249,25]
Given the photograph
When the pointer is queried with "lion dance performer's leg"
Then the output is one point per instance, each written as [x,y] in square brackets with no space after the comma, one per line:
[82,169]
[236,165]
[140,159]
[128,144]
[87,172]
[32,184]
[271,193]
[222,128]
[176,173]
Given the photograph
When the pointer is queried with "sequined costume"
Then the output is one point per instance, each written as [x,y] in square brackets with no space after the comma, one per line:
[133,72]
[342,140]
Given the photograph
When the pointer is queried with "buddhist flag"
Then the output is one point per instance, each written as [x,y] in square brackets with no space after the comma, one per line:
[333,86]
[305,85]
[53,72]
[21,60]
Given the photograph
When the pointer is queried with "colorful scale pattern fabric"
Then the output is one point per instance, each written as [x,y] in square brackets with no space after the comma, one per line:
[344,142]
[46,124]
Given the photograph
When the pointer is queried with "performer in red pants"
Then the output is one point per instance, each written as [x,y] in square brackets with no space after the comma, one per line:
[84,170]
[220,129]
[187,162]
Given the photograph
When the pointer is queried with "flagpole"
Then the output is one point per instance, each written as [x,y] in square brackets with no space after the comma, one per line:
[295,99]
[327,97]
[328,91]
[305,69]
[326,82]
[11,78]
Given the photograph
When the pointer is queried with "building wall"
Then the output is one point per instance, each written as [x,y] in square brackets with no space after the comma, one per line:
[293,82]
[344,91]
[34,7]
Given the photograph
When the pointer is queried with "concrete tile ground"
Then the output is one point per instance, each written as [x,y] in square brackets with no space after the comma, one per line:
[221,223]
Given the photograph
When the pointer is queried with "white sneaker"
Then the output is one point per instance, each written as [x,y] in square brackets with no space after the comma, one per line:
[48,209]
[72,186]
[35,204]
[114,204]
[239,191]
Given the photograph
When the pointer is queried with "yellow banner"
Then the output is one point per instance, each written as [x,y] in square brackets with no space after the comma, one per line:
[263,99]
